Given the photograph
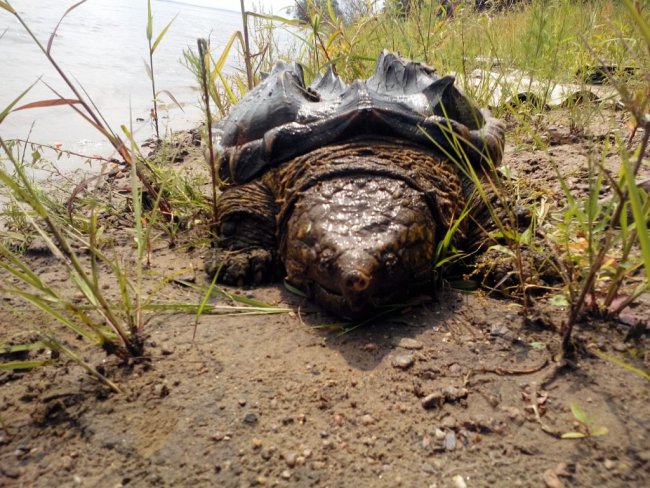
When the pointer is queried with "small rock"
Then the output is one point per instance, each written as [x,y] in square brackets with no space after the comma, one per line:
[551,479]
[433,400]
[620,347]
[317,465]
[450,441]
[427,468]
[242,402]
[256,443]
[286,474]
[166,349]
[453,394]
[455,369]
[161,390]
[403,361]
[9,472]
[449,422]
[67,463]
[290,458]
[609,464]
[267,453]
[250,419]
[498,330]
[459,481]
[261,480]
[408,343]
[367,420]
[439,434]
[644,455]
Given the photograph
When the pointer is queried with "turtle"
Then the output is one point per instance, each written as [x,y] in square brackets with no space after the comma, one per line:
[345,190]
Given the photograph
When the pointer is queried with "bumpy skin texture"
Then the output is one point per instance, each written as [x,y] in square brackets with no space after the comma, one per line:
[339,189]
[358,225]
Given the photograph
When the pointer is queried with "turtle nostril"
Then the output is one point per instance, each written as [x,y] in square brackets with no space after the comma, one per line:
[356,281]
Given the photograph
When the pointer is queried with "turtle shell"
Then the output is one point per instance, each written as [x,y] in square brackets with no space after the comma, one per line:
[282,118]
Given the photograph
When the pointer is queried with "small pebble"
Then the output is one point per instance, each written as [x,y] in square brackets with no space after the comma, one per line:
[408,343]
[256,443]
[242,402]
[620,347]
[161,390]
[166,349]
[455,369]
[609,464]
[433,400]
[67,463]
[367,420]
[286,474]
[427,468]
[290,458]
[250,419]
[449,422]
[459,481]
[403,361]
[450,441]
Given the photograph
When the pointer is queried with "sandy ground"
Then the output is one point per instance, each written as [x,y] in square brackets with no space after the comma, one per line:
[459,390]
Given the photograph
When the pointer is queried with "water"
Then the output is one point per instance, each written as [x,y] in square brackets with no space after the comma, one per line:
[103,45]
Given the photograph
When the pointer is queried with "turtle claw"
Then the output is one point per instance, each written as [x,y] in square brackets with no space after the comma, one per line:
[252,266]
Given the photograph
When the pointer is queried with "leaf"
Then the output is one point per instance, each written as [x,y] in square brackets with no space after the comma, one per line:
[573,435]
[599,431]
[503,249]
[294,290]
[639,372]
[579,414]
[34,346]
[638,213]
[169,94]
[53,102]
[149,22]
[147,68]
[162,34]
[51,40]
[7,110]
[14,365]
[559,300]
[7,7]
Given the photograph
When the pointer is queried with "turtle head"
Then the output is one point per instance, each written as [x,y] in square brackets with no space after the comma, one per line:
[358,243]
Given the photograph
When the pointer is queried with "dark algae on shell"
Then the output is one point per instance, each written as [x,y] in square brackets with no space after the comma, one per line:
[346,189]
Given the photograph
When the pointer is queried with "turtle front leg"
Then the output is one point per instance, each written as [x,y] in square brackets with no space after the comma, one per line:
[245,252]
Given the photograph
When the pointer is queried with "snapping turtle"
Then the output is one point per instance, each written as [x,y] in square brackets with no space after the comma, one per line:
[346,189]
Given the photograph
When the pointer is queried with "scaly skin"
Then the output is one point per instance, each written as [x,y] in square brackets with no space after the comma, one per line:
[357,223]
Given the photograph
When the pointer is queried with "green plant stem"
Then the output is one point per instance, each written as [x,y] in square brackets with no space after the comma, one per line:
[247,49]
[203,54]
[153,93]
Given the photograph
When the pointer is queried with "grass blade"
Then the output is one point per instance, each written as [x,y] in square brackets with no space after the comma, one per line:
[162,34]
[48,103]
[51,40]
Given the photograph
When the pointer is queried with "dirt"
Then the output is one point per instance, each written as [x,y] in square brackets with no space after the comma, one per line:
[462,389]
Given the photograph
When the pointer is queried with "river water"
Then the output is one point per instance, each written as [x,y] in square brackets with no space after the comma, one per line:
[103,45]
